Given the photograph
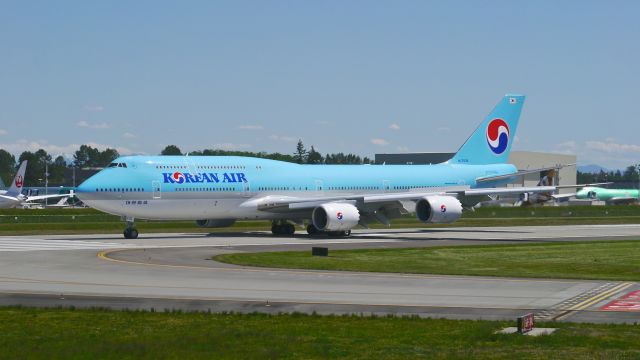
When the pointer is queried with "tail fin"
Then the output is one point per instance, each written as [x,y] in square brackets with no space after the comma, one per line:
[492,140]
[18,181]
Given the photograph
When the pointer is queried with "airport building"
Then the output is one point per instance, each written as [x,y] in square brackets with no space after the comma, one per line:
[523,160]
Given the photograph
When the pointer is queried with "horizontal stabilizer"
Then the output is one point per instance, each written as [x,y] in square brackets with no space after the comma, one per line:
[520,173]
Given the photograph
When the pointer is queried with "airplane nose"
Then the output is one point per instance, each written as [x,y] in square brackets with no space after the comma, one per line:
[82,190]
[87,187]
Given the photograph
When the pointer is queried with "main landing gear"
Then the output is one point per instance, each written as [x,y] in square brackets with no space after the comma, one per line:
[282,227]
[312,230]
[130,232]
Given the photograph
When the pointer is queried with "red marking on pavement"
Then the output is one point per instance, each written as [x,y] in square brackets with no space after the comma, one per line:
[629,302]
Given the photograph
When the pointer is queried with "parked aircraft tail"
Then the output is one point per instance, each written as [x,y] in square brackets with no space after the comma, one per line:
[492,140]
[18,181]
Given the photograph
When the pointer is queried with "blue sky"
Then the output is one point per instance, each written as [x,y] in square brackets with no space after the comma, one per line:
[350,76]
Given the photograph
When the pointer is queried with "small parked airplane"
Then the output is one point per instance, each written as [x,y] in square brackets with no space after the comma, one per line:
[611,196]
[13,197]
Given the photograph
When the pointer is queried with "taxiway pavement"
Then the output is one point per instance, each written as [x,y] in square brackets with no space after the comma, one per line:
[173,271]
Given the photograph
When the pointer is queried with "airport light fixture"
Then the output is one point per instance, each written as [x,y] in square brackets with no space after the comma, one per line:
[46,182]
[638,168]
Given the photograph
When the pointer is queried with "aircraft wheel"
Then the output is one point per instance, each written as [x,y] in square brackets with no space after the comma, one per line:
[345,233]
[130,233]
[276,229]
[289,229]
[312,229]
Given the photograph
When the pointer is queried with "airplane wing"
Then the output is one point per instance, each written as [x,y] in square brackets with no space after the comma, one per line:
[563,196]
[383,206]
[42,197]
[11,198]
[288,203]
[582,185]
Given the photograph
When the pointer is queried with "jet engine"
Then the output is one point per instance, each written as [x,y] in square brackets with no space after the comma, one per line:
[438,209]
[215,223]
[335,217]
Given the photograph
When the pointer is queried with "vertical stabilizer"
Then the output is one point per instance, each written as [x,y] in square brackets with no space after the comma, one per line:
[18,181]
[492,140]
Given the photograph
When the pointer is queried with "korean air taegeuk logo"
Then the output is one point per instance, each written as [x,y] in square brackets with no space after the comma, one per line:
[498,136]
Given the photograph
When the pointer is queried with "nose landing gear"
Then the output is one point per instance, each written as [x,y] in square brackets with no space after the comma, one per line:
[130,232]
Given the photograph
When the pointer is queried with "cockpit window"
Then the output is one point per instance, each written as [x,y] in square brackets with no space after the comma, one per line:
[124,165]
[113,165]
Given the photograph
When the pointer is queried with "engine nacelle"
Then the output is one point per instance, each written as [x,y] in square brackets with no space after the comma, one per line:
[215,223]
[438,209]
[335,217]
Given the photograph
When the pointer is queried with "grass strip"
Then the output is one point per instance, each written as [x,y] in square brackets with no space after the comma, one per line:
[602,260]
[88,221]
[89,334]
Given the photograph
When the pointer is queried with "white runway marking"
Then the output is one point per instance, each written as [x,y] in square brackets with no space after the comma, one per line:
[26,244]
[42,244]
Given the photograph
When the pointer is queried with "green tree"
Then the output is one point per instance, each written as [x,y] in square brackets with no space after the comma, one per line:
[34,175]
[314,157]
[171,150]
[56,170]
[341,158]
[86,156]
[301,153]
[630,174]
[7,166]
[43,157]
[106,157]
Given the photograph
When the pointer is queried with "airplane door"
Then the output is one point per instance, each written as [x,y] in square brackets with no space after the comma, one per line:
[386,185]
[246,189]
[318,185]
[157,189]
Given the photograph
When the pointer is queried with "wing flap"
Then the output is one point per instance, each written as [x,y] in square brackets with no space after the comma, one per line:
[519,173]
[509,190]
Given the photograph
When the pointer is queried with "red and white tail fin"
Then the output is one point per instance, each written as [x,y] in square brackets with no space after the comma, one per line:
[18,181]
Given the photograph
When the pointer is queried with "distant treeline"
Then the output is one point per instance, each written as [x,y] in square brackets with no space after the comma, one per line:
[90,157]
[40,161]
[300,156]
[629,175]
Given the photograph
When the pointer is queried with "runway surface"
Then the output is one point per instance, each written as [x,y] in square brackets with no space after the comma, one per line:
[173,271]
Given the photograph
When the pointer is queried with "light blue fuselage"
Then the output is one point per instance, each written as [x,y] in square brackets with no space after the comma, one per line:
[221,187]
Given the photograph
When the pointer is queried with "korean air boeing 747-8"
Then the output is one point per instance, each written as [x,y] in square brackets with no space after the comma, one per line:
[217,190]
